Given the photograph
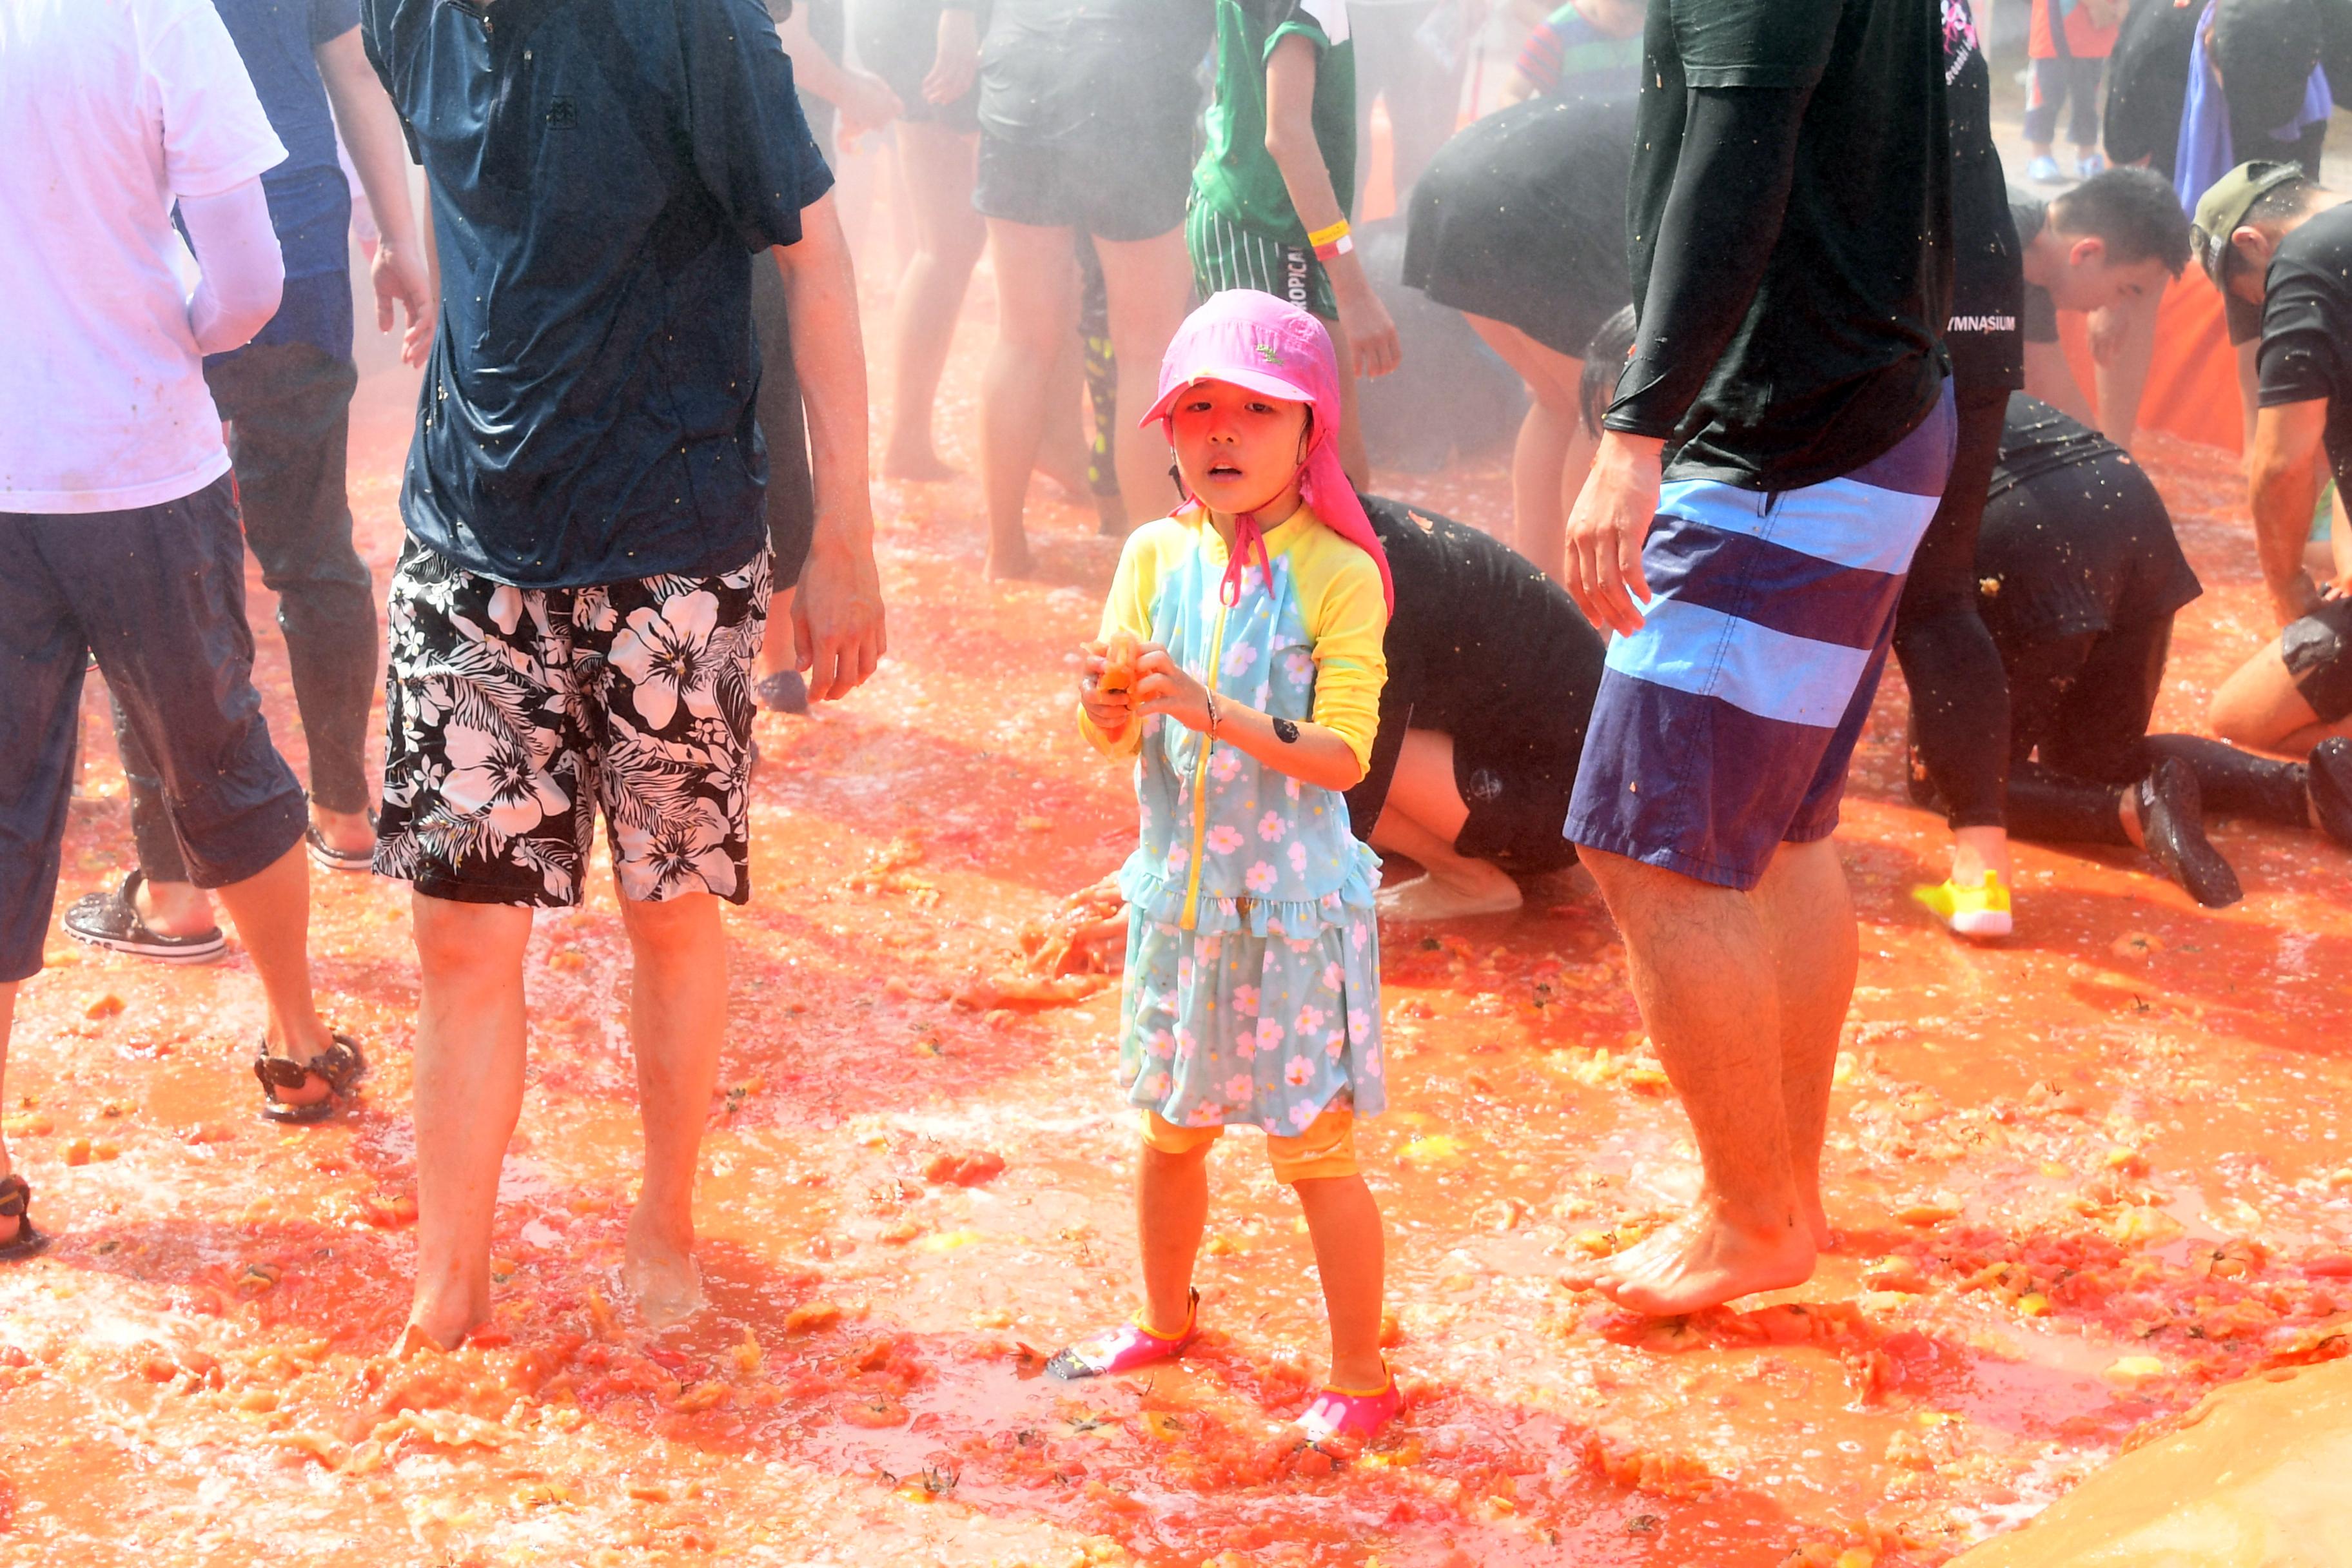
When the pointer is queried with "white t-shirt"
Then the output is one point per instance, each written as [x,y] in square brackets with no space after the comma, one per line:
[109,109]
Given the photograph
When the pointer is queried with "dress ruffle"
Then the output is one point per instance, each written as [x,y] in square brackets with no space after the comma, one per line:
[1161,897]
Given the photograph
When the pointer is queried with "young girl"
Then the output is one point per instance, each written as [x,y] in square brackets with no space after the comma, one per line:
[1245,680]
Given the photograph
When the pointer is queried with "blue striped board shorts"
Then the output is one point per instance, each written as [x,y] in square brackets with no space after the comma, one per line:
[1723,727]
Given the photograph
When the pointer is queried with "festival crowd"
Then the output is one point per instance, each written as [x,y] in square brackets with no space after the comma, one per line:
[1796,398]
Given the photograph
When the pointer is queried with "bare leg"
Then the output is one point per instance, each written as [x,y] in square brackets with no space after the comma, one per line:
[777,652]
[938,165]
[468,1092]
[1171,1208]
[1149,283]
[2258,706]
[271,911]
[1062,450]
[677,1022]
[1976,850]
[1345,1223]
[1422,817]
[1704,971]
[1549,459]
[1037,311]
[1807,919]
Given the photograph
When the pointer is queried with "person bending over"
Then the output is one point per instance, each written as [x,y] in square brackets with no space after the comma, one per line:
[2080,575]
[1518,223]
[585,580]
[2280,244]
[1804,401]
[2107,247]
[1492,674]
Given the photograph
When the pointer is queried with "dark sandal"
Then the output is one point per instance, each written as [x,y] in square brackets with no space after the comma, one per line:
[340,1064]
[111,921]
[16,1203]
[326,857]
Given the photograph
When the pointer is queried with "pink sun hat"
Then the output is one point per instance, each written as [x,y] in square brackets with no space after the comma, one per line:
[1252,339]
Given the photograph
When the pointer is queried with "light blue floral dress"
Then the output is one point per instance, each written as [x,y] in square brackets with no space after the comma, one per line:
[1253,962]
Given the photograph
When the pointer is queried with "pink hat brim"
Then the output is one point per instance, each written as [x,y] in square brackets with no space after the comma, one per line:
[1258,381]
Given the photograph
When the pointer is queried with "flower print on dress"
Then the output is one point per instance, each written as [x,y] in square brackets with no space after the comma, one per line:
[666,653]
[1269,1034]
[1299,666]
[1303,1115]
[1270,827]
[1334,978]
[1238,659]
[1291,787]
[1310,1019]
[1208,1113]
[1223,839]
[1260,878]
[1238,1087]
[1157,1085]
[1224,765]
[1296,856]
[1179,855]
[1296,1071]
[1245,1001]
[1160,1045]
[1334,1044]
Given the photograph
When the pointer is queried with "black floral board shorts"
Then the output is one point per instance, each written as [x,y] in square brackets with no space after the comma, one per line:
[515,713]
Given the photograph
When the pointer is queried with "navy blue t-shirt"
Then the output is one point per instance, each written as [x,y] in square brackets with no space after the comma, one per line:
[310,201]
[602,173]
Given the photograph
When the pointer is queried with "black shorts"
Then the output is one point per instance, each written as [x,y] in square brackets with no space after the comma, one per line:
[2318,653]
[897,40]
[1099,184]
[1518,797]
[157,592]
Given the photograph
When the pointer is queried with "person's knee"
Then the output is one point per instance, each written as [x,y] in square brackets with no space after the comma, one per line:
[457,941]
[682,927]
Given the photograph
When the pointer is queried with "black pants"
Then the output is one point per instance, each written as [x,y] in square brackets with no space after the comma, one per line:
[289,411]
[158,594]
[1959,696]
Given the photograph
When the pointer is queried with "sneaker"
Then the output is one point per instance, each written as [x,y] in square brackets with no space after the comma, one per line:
[2091,164]
[1359,1414]
[1982,911]
[2172,824]
[2044,169]
[111,921]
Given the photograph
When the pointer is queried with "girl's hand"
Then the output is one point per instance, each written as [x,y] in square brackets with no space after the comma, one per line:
[1108,712]
[1163,687]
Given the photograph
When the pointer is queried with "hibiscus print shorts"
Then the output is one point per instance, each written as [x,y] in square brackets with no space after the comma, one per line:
[515,713]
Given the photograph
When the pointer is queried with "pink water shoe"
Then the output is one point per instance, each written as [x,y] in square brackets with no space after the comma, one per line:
[1127,1347]
[1359,1414]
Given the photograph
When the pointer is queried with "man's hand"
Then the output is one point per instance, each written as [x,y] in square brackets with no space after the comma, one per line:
[1607,530]
[1372,334]
[955,64]
[398,273]
[837,625]
[867,102]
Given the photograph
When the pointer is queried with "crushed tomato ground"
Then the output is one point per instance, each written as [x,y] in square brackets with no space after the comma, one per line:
[2081,1177]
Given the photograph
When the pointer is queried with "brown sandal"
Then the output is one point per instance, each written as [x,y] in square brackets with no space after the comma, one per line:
[341,1065]
[16,1203]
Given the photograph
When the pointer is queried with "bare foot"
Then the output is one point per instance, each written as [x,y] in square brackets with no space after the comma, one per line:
[1017,566]
[1817,1220]
[661,1273]
[416,1340]
[1484,890]
[1701,1260]
[924,466]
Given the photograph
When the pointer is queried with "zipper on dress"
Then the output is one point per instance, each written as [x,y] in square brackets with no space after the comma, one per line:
[1200,780]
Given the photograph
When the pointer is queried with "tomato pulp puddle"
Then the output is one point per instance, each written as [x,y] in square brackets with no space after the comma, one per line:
[2081,1178]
